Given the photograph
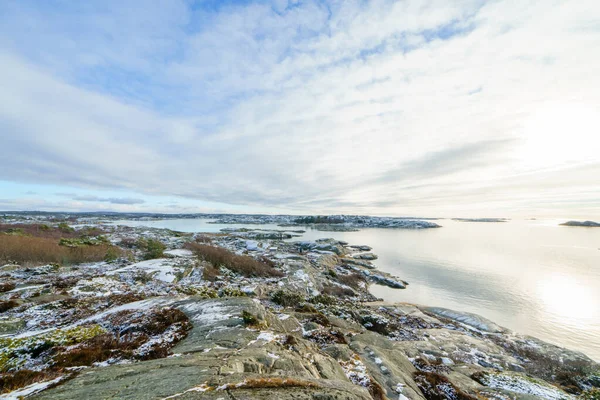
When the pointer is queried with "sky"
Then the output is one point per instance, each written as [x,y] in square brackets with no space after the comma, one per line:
[439,108]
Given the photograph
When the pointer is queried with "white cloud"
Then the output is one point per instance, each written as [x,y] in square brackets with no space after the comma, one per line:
[388,107]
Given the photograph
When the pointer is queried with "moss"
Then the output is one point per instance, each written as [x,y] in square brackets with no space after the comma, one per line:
[253,321]
[231,292]
[12,348]
[591,394]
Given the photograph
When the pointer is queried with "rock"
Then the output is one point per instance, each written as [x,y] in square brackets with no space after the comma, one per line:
[361,263]
[251,245]
[222,358]
[365,256]
[361,247]
[587,224]
[11,325]
[466,318]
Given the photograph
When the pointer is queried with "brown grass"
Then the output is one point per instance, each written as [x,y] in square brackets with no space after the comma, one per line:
[45,231]
[243,265]
[438,387]
[275,382]
[7,305]
[7,286]
[210,273]
[46,250]
[14,380]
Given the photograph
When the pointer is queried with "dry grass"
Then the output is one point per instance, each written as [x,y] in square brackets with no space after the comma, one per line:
[210,273]
[243,265]
[275,382]
[438,387]
[15,380]
[45,231]
[46,250]
[7,305]
[6,286]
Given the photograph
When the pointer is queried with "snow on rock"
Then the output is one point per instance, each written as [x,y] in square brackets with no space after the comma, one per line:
[162,268]
[525,385]
[471,320]
[179,253]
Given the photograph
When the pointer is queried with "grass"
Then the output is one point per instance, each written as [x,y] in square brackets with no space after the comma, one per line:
[25,377]
[243,265]
[438,387]
[33,249]
[45,231]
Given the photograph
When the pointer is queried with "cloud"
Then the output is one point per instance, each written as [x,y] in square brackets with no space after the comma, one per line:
[112,200]
[395,107]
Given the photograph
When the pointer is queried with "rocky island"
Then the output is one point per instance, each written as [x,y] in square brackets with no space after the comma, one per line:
[587,224]
[93,310]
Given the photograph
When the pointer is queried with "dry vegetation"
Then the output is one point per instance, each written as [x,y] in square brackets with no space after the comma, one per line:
[243,265]
[23,249]
[38,243]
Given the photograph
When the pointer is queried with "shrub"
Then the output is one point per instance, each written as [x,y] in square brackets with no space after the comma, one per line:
[152,248]
[243,265]
[64,227]
[287,299]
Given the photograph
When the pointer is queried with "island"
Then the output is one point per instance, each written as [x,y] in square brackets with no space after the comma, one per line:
[586,224]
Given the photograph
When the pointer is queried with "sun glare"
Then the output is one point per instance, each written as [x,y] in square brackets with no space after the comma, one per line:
[558,134]
[563,296]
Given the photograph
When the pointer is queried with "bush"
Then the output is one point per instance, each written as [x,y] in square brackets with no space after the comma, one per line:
[243,265]
[63,226]
[287,299]
[152,248]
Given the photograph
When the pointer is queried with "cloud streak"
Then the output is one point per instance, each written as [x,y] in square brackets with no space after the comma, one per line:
[387,107]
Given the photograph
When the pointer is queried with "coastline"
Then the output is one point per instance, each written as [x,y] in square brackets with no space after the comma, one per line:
[326,314]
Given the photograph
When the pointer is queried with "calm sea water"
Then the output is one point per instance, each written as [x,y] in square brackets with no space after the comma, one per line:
[534,277]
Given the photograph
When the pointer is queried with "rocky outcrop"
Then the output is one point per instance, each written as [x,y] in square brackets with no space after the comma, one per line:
[585,224]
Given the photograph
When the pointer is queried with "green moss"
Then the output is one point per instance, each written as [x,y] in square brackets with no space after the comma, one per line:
[591,394]
[13,351]
[85,241]
[286,298]
[231,292]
